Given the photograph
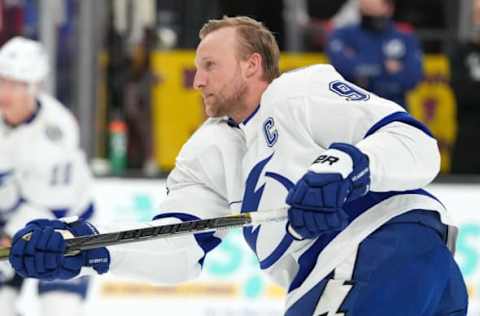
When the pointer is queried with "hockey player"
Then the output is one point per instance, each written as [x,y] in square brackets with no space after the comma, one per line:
[43,172]
[362,237]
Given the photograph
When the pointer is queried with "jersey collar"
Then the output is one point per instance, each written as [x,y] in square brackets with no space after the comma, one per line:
[250,125]
[231,122]
[34,114]
[245,121]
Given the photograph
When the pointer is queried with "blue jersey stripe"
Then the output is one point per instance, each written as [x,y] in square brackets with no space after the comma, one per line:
[88,212]
[277,252]
[360,205]
[206,241]
[60,212]
[402,117]
[308,260]
[5,174]
[85,215]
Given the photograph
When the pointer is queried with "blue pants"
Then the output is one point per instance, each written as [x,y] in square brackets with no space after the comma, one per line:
[402,269]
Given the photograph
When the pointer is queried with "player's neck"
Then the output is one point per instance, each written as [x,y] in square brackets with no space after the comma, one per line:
[252,100]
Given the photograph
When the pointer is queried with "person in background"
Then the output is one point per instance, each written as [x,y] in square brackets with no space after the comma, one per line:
[465,80]
[43,172]
[376,54]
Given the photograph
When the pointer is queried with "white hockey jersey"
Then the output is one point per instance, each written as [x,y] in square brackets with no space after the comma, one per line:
[225,167]
[43,172]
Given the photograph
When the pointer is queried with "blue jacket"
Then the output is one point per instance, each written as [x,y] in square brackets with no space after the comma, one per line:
[360,55]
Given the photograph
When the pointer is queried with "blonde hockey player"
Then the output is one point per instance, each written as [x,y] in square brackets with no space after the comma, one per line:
[43,172]
[362,236]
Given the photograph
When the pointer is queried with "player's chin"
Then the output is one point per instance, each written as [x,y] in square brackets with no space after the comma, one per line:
[211,110]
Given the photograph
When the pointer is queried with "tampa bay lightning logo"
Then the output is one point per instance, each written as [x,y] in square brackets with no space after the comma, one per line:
[251,200]
[348,90]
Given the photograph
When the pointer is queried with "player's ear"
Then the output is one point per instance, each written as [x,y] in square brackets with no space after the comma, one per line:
[253,65]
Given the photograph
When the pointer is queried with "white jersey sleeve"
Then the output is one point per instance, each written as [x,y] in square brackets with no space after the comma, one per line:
[204,184]
[49,175]
[403,154]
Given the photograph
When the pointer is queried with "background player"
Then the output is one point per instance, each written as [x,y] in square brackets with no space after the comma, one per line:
[43,172]
[357,218]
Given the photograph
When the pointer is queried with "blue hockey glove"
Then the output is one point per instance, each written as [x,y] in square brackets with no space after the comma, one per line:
[40,254]
[341,174]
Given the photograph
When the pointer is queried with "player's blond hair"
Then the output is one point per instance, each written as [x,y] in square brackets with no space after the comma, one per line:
[254,37]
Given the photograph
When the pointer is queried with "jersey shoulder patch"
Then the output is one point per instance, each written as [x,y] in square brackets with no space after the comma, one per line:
[53,133]
[348,90]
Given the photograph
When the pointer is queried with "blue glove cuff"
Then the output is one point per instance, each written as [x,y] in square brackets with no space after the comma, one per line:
[98,258]
[358,157]
[360,175]
[81,228]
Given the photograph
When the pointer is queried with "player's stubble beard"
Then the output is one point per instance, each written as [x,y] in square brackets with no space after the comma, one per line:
[230,99]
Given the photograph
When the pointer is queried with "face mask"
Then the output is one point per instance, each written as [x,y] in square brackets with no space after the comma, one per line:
[375,23]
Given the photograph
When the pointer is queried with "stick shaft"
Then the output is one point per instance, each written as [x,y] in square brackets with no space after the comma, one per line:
[167,231]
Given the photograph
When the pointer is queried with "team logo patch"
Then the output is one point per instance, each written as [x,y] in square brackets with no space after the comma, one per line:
[394,48]
[54,133]
[348,90]
[270,132]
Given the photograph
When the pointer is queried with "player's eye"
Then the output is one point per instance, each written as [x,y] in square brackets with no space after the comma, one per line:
[209,65]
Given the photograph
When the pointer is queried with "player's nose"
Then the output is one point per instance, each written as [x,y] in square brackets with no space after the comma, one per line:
[200,80]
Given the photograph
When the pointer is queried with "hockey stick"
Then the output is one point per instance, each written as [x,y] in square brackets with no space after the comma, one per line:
[74,245]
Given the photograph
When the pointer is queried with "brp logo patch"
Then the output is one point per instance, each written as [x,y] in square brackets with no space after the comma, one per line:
[348,90]
[326,158]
